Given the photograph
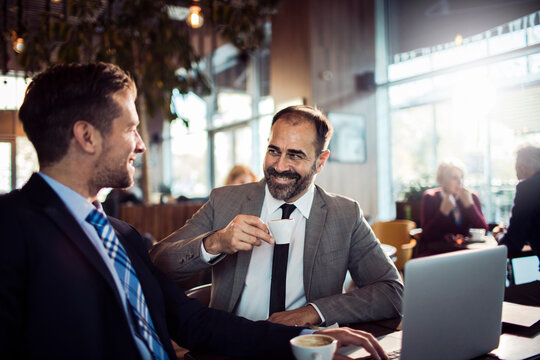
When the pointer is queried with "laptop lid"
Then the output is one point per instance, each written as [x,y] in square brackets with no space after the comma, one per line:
[453,304]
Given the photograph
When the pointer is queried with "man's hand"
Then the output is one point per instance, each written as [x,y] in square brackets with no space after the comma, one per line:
[448,203]
[499,230]
[304,316]
[242,233]
[346,336]
[465,197]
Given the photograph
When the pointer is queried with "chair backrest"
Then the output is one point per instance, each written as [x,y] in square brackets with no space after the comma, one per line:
[201,293]
[395,232]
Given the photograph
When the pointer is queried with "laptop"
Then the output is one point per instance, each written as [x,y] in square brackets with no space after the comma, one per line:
[525,269]
[452,307]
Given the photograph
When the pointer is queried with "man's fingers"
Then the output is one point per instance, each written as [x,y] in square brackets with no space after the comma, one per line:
[281,318]
[347,336]
[254,221]
[254,226]
[341,357]
[372,346]
[254,234]
[242,233]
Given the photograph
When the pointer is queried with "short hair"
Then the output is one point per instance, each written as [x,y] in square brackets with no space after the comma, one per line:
[446,166]
[308,113]
[529,157]
[237,171]
[65,94]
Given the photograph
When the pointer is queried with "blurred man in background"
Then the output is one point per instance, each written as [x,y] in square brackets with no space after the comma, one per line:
[524,226]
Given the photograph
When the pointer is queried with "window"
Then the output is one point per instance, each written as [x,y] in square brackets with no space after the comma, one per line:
[18,156]
[229,127]
[188,148]
[5,166]
[478,114]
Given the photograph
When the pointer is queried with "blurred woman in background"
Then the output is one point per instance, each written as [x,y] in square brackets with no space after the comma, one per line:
[448,211]
[240,174]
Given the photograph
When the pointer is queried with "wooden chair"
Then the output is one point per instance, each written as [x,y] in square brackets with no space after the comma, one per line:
[396,233]
[201,293]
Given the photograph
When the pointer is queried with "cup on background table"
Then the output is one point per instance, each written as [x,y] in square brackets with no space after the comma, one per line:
[477,234]
[313,347]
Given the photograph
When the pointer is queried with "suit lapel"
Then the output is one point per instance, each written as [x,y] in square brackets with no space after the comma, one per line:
[251,205]
[39,192]
[314,230]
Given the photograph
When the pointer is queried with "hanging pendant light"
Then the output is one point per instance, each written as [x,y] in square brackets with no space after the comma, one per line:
[17,35]
[18,44]
[195,18]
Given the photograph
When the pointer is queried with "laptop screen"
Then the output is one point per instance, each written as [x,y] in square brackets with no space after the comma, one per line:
[525,269]
[453,304]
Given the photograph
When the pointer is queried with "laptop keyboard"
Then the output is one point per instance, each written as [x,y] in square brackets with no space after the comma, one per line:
[392,355]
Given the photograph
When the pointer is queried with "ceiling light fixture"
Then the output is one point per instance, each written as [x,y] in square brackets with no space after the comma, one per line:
[458,40]
[17,35]
[195,18]
[18,45]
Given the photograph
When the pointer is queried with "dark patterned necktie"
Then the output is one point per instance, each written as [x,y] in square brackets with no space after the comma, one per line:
[130,282]
[279,269]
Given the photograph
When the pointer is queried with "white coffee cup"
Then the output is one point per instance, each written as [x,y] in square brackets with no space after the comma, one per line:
[281,230]
[477,234]
[313,347]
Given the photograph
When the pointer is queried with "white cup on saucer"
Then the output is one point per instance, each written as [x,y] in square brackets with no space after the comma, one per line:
[313,347]
[477,234]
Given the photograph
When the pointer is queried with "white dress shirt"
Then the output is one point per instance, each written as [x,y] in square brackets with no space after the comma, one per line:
[80,208]
[255,299]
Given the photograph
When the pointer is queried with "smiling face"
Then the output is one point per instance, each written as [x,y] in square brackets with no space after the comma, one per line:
[291,162]
[114,167]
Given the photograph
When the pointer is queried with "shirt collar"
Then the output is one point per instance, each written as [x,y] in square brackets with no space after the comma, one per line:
[303,204]
[79,206]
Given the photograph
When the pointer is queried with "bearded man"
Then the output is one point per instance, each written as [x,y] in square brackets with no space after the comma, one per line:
[330,236]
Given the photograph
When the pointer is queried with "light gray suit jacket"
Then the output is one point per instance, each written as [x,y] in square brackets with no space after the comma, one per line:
[337,239]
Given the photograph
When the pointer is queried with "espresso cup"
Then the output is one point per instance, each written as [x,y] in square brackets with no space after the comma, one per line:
[281,230]
[313,347]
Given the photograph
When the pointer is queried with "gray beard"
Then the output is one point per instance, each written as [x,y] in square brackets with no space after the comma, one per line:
[286,192]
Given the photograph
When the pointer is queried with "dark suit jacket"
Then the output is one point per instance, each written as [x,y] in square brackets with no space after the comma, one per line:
[524,224]
[58,300]
[435,225]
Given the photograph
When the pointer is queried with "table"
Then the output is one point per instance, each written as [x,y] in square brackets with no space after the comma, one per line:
[489,241]
[512,346]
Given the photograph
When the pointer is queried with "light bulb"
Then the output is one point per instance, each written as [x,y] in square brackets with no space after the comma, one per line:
[195,19]
[458,40]
[18,45]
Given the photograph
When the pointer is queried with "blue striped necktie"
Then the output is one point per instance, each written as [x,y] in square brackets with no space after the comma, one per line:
[130,282]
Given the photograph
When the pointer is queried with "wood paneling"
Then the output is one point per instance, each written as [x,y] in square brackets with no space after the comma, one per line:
[158,220]
[318,48]
[290,63]
[10,124]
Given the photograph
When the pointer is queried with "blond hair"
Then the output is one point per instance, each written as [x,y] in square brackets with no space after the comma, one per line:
[448,165]
[237,171]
